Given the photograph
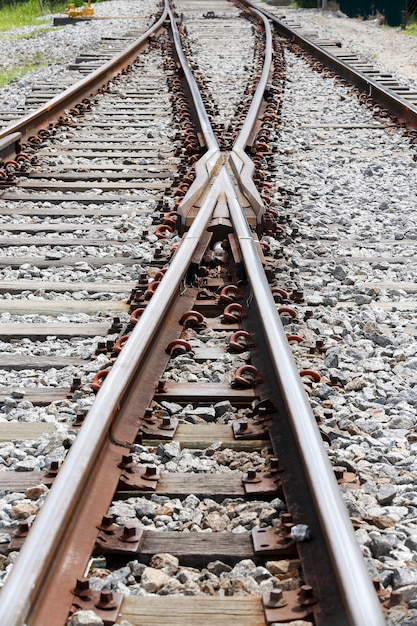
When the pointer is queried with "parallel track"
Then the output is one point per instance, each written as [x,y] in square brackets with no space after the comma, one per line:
[379,87]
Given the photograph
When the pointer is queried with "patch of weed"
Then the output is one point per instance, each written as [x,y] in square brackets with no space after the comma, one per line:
[27,13]
[32,63]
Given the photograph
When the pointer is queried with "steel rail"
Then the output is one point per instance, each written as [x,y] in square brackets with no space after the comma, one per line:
[242,165]
[199,107]
[210,161]
[362,605]
[84,88]
[25,582]
[400,107]
[32,567]
[242,139]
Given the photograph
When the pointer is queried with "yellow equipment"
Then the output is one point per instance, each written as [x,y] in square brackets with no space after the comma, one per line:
[87,11]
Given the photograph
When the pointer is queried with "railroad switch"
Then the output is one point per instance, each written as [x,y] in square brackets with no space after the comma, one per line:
[106,603]
[287,606]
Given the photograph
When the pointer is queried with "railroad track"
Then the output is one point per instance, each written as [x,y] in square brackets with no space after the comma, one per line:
[357,70]
[117,31]
[164,367]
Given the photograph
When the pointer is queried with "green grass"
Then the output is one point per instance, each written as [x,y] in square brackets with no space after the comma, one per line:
[27,13]
[411,30]
[31,35]
[33,62]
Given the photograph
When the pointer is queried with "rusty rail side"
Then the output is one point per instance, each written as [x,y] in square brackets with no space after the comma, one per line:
[209,163]
[361,605]
[35,566]
[40,559]
[242,165]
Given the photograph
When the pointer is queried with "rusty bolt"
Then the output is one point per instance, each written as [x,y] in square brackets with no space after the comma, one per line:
[287,521]
[274,464]
[54,468]
[305,595]
[22,529]
[150,471]
[82,588]
[142,280]
[116,325]
[101,347]
[127,462]
[262,412]
[338,471]
[129,534]
[297,295]
[251,475]
[395,598]
[76,384]
[107,524]
[275,599]
[106,601]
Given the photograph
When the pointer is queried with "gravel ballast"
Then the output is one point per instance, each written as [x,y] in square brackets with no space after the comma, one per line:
[350,243]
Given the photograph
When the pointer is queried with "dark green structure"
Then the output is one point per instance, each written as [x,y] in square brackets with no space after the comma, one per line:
[390,9]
